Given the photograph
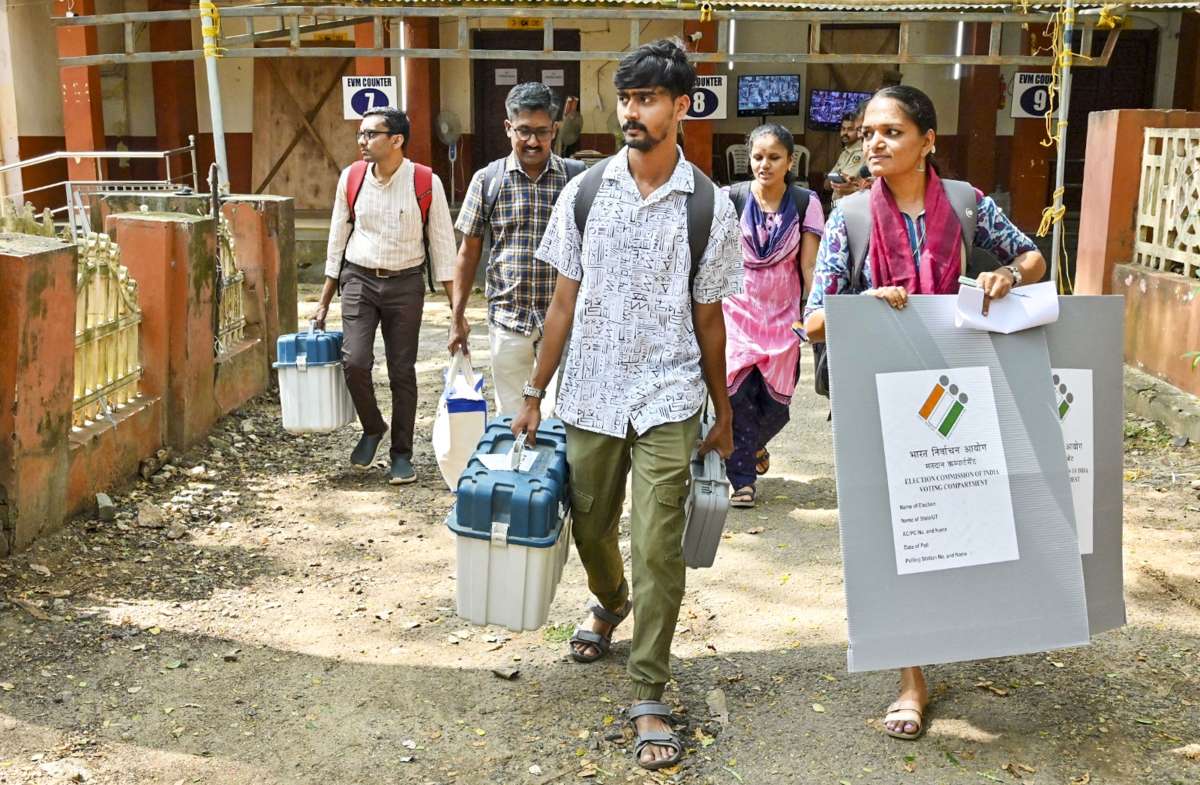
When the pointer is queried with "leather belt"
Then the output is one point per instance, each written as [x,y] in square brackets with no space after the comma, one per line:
[379,272]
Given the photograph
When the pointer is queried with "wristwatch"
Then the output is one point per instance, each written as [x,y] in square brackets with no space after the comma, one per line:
[1016,273]
[529,391]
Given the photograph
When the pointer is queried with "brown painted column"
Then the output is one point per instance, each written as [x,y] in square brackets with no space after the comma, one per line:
[1187,69]
[423,77]
[364,37]
[978,99]
[37,378]
[83,109]
[698,134]
[1112,177]
[175,115]
[1030,176]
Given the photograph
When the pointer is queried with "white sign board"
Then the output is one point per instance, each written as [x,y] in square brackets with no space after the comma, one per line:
[947,477]
[1031,94]
[506,76]
[554,77]
[362,93]
[1074,399]
[708,99]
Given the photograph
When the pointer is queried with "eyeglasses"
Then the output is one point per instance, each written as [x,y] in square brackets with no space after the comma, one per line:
[525,134]
[370,135]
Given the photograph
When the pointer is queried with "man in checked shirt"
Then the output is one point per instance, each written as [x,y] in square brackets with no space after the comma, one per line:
[520,191]
[383,251]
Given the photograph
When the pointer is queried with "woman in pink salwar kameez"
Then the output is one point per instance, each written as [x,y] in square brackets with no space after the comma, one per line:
[781,229]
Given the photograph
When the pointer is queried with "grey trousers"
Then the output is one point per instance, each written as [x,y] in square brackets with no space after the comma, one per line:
[397,303]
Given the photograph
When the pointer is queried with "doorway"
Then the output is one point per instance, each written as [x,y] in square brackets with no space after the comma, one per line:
[494,78]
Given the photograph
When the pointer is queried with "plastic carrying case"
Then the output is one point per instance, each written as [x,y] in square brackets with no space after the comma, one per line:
[312,388]
[512,528]
[706,507]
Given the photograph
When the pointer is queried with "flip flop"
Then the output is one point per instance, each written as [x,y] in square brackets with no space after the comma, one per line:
[602,643]
[905,711]
[762,462]
[659,738]
[742,497]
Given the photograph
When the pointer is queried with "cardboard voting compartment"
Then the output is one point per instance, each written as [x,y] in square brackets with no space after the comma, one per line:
[1086,345]
[955,506]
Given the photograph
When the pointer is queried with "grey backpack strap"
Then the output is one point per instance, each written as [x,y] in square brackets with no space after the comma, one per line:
[493,181]
[965,202]
[574,167]
[700,207]
[856,210]
[589,186]
[738,194]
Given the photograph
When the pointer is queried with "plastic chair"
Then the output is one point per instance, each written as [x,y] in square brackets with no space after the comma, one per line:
[737,161]
[800,163]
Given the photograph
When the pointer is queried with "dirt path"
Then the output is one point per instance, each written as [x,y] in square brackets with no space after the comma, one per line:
[300,628]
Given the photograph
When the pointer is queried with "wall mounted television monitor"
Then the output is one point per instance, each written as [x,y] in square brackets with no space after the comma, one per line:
[826,107]
[760,95]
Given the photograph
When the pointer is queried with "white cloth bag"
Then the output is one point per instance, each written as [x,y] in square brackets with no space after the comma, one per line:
[461,419]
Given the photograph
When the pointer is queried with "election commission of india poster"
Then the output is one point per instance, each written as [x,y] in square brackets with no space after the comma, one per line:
[947,479]
[954,500]
[1086,355]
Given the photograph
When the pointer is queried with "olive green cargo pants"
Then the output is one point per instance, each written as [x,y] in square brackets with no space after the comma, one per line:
[660,463]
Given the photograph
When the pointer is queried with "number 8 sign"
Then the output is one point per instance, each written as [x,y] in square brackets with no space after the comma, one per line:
[708,99]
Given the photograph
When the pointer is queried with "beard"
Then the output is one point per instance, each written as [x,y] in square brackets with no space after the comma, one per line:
[645,142]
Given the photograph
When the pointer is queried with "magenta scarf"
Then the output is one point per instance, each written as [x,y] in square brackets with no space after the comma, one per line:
[892,261]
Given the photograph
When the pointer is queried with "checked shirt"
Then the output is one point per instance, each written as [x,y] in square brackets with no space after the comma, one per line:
[519,287]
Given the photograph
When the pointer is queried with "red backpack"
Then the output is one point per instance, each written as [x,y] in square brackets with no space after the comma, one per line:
[422,183]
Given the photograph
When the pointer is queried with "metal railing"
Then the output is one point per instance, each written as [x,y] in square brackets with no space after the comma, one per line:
[1167,230]
[69,205]
[107,331]
[230,301]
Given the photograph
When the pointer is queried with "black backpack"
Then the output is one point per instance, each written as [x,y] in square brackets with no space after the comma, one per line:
[856,209]
[700,206]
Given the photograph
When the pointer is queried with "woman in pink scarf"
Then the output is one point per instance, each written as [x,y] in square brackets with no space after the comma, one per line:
[915,247]
[781,228]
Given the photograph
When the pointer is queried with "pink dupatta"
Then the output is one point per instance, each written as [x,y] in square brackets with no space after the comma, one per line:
[892,261]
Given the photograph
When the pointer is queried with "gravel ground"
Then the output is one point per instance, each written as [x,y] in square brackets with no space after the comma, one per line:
[260,613]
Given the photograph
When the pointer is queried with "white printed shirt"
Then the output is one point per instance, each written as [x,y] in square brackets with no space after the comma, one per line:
[387,232]
[633,357]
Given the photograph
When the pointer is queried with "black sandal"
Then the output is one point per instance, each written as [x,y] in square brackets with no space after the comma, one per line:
[602,643]
[656,737]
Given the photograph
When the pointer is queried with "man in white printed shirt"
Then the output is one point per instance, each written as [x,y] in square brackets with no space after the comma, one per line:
[381,283]
[647,337]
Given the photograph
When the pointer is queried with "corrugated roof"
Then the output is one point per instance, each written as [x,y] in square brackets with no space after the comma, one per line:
[812,5]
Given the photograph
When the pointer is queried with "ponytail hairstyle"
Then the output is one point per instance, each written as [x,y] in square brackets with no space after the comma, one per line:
[919,108]
[783,136]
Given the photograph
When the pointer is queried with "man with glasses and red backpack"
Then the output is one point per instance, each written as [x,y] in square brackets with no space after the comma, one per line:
[390,217]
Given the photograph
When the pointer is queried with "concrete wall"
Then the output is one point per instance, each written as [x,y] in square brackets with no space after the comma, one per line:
[49,470]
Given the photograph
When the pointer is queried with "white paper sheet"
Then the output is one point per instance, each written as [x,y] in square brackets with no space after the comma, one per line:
[1025,307]
[1076,412]
[554,77]
[947,477]
[502,461]
[506,76]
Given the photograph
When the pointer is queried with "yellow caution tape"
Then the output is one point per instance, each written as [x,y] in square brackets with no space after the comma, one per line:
[706,12]
[211,31]
[1052,215]
[1108,20]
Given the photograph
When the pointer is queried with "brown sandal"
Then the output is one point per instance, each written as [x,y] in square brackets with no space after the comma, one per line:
[762,462]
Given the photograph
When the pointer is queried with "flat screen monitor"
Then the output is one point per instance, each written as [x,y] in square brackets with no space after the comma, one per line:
[826,107]
[768,94]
